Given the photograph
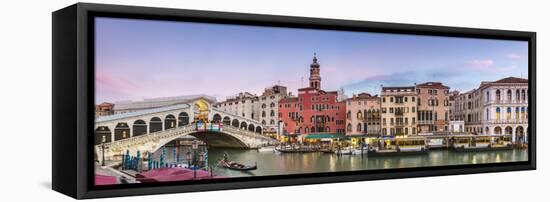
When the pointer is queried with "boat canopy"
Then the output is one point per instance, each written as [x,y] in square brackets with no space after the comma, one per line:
[325,136]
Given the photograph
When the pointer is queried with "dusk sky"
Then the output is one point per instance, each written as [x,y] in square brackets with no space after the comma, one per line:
[138,59]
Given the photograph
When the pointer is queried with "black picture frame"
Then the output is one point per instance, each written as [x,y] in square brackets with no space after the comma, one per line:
[73,99]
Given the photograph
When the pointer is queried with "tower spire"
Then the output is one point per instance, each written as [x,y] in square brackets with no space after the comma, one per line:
[315,73]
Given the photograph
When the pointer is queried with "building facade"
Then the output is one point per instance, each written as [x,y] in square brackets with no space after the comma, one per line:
[269,107]
[243,104]
[363,115]
[506,107]
[398,111]
[313,110]
[469,110]
[433,99]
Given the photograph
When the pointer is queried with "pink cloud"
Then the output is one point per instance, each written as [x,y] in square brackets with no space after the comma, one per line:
[513,56]
[481,64]
[108,85]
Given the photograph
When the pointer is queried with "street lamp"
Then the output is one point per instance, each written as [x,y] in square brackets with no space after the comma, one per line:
[195,146]
[188,158]
[202,158]
[103,151]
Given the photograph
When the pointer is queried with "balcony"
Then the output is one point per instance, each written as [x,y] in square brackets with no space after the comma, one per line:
[506,101]
[509,121]
[425,122]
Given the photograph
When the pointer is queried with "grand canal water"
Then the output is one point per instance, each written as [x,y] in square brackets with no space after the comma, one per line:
[270,163]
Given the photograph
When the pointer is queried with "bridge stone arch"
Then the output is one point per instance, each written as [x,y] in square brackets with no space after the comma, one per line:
[251,127]
[122,131]
[258,129]
[139,127]
[243,125]
[226,121]
[235,123]
[211,138]
[144,130]
[155,124]
[217,118]
[183,118]
[228,137]
[102,135]
[169,121]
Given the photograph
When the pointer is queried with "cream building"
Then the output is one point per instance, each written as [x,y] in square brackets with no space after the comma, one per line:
[498,107]
[363,115]
[398,110]
[269,107]
[244,104]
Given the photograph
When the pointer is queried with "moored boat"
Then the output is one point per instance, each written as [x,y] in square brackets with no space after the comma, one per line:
[400,146]
[481,143]
[345,151]
[266,149]
[287,149]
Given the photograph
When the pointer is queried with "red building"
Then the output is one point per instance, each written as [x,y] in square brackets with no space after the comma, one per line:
[314,110]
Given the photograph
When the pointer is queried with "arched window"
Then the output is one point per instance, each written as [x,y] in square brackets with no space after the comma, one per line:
[272,122]
[487,114]
[522,112]
[523,94]
[263,113]
[272,114]
[358,127]
[272,105]
[498,113]
[349,127]
[517,113]
[498,130]
[517,95]
[349,115]
[498,95]
[263,105]
[359,115]
[509,95]
[487,97]
[312,129]
[508,113]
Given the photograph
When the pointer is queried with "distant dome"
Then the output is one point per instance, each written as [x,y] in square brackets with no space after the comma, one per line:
[315,64]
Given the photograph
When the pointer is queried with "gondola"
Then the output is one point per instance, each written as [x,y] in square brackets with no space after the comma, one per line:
[237,166]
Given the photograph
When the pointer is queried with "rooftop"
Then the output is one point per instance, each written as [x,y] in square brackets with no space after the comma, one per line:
[432,85]
[140,112]
[512,80]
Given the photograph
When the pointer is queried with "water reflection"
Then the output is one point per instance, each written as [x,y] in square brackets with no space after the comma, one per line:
[270,163]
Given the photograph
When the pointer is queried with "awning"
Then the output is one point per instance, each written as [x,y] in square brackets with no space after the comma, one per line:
[363,135]
[326,136]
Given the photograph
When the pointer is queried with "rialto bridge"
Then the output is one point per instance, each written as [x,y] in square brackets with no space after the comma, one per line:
[150,129]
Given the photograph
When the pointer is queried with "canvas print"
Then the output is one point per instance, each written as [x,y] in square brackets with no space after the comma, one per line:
[187,101]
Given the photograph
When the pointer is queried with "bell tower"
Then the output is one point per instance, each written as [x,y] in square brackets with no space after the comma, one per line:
[315,73]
